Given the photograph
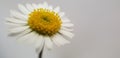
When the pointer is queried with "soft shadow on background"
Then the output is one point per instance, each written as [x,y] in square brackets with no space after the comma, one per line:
[97,30]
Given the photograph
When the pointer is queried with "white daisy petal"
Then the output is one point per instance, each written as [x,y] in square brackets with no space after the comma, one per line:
[24,33]
[39,39]
[61,14]
[26,38]
[33,38]
[48,43]
[40,5]
[23,9]
[13,20]
[18,15]
[67,24]
[45,4]
[39,43]
[65,20]
[50,7]
[29,7]
[59,40]
[29,35]
[34,6]
[66,29]
[66,33]
[18,29]
[57,9]
[13,24]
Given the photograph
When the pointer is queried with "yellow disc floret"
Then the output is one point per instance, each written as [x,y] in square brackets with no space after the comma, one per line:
[44,21]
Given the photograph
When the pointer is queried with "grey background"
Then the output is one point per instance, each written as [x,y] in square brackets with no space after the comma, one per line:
[97,30]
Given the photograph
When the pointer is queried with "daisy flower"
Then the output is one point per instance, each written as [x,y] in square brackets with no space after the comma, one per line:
[41,25]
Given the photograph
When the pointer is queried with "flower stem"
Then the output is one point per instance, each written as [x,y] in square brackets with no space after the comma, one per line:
[40,54]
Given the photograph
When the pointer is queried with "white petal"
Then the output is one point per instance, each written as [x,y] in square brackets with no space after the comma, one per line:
[66,29]
[18,15]
[13,20]
[66,33]
[65,20]
[23,9]
[29,7]
[45,4]
[57,9]
[59,40]
[61,14]
[39,43]
[33,38]
[18,29]
[48,43]
[34,6]
[40,6]
[67,24]
[24,33]
[13,24]
[50,7]
[26,38]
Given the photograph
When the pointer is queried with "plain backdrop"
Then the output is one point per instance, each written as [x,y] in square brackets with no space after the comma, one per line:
[97,30]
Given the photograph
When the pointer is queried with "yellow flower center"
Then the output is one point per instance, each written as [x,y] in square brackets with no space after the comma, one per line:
[44,21]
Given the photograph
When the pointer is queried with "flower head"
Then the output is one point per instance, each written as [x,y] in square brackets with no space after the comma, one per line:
[41,25]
